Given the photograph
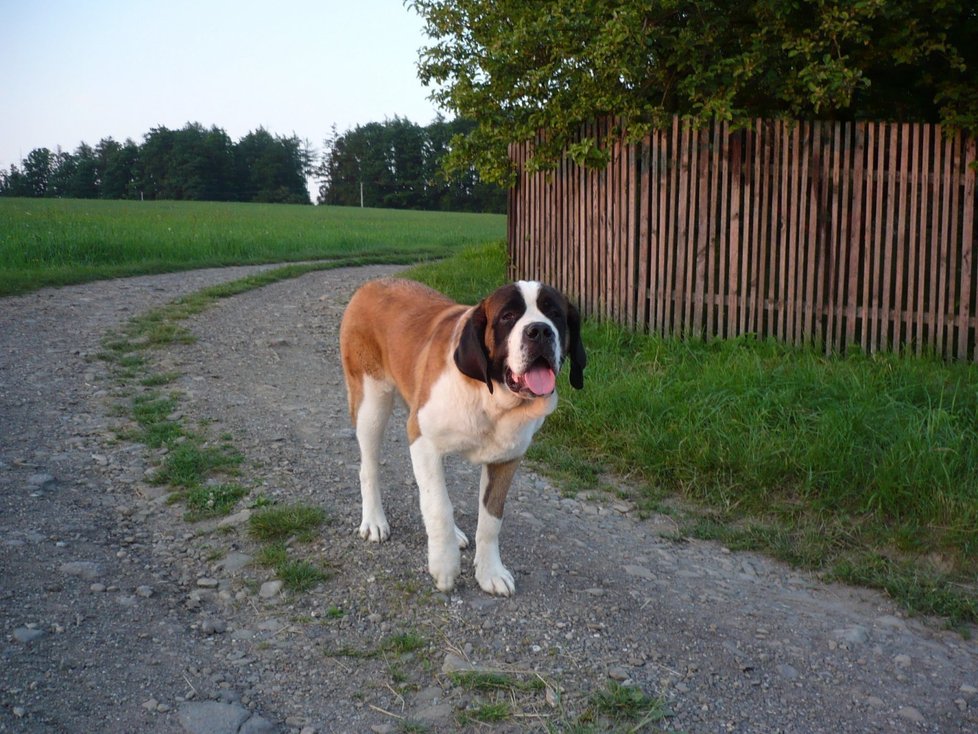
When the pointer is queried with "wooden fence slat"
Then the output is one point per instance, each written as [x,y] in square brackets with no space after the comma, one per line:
[833,229]
[714,283]
[702,219]
[764,185]
[922,182]
[814,245]
[955,180]
[747,224]
[734,141]
[901,306]
[967,249]
[944,242]
[887,192]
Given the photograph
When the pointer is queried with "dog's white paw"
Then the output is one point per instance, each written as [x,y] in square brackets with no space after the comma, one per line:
[445,567]
[495,578]
[376,530]
[462,538]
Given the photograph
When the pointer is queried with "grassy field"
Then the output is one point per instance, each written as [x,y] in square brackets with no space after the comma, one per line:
[62,241]
[862,468]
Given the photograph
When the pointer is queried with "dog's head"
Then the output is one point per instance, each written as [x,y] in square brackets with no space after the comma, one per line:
[519,336]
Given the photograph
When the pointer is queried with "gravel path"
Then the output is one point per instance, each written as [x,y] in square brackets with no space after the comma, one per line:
[119,616]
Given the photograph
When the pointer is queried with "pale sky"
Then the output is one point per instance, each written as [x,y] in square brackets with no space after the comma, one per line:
[80,71]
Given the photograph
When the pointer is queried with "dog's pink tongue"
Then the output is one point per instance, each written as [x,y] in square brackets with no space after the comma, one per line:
[541,380]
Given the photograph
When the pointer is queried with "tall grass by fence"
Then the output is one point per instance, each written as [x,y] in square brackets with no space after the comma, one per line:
[837,233]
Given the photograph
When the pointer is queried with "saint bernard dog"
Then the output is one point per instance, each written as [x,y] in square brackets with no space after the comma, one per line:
[477,381]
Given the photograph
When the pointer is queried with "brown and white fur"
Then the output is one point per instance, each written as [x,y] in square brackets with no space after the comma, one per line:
[477,381]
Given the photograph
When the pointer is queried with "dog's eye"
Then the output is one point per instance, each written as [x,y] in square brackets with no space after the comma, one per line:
[507,317]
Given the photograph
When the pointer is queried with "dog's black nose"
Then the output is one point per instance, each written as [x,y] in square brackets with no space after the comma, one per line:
[537,331]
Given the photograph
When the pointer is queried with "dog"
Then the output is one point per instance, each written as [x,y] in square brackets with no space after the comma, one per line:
[477,381]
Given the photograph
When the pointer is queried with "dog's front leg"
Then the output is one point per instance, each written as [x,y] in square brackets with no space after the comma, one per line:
[494,485]
[444,559]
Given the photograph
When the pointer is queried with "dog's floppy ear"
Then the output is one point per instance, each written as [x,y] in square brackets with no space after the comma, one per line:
[471,355]
[576,351]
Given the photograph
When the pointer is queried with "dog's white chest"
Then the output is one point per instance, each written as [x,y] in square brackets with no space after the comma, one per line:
[478,426]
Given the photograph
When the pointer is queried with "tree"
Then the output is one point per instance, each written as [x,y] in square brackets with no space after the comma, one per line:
[522,69]
[271,169]
[37,170]
[118,166]
[397,164]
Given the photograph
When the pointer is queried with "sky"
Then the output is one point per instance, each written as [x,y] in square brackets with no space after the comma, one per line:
[73,71]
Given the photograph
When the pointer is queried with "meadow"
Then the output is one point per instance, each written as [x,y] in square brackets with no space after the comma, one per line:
[61,241]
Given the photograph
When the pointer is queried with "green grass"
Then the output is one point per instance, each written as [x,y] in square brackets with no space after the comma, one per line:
[213,500]
[283,522]
[188,465]
[864,468]
[46,242]
[625,705]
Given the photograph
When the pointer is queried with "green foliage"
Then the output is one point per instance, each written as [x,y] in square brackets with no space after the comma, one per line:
[520,68]
[397,164]
[192,163]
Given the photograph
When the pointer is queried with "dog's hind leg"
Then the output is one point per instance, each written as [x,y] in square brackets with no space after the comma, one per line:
[372,415]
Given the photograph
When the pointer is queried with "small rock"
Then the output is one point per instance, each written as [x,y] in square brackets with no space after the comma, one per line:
[151,704]
[383,728]
[20,712]
[233,521]
[911,714]
[85,569]
[257,725]
[787,671]
[207,583]
[233,562]
[270,589]
[439,712]
[903,661]
[26,635]
[307,730]
[454,664]
[854,635]
[212,717]
[97,588]
[641,571]
[144,591]
[595,591]
[212,626]
[618,673]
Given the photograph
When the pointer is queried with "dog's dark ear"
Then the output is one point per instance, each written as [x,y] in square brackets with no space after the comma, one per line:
[576,351]
[471,355]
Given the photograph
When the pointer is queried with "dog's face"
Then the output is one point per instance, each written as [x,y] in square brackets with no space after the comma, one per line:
[519,336]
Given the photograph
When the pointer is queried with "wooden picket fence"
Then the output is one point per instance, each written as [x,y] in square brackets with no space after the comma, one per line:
[834,233]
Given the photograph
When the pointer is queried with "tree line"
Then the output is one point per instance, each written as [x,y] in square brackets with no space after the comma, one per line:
[393,164]
[192,163]
[397,164]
